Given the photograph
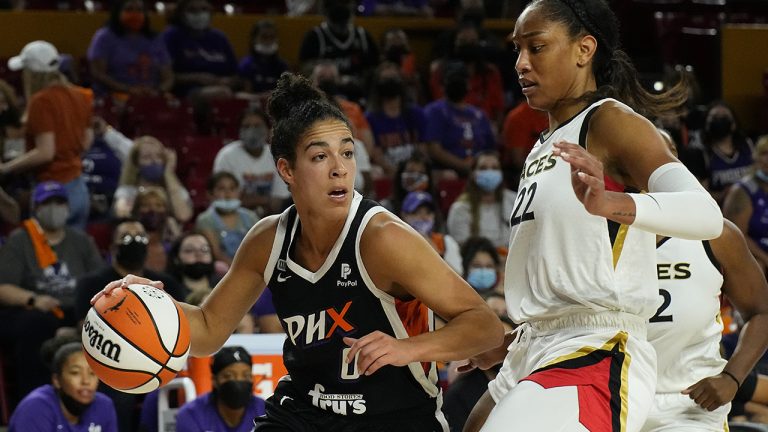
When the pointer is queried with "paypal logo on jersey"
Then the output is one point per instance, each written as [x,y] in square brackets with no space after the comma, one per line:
[313,326]
[346,270]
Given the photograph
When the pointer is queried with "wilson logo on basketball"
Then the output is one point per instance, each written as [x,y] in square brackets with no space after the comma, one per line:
[314,326]
[96,340]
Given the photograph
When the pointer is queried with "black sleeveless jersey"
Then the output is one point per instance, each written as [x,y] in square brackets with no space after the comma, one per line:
[317,310]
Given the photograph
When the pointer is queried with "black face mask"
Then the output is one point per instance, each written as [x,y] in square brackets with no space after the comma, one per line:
[395,53]
[73,406]
[234,394]
[719,127]
[10,117]
[197,270]
[328,86]
[389,88]
[131,256]
[470,53]
[455,91]
[339,15]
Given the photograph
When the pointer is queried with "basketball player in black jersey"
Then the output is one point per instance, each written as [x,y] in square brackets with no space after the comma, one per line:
[353,285]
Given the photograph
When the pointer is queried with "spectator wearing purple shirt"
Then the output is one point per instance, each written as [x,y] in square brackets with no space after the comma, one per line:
[126,56]
[203,59]
[231,406]
[71,403]
[262,66]
[455,130]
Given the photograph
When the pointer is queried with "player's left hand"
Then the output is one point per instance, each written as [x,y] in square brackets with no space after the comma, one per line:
[376,350]
[713,392]
[587,176]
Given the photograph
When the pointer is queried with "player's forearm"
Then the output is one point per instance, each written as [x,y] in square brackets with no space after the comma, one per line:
[753,342]
[468,334]
[206,336]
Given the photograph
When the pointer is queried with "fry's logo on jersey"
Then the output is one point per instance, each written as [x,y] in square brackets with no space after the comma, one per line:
[536,166]
[314,326]
[338,403]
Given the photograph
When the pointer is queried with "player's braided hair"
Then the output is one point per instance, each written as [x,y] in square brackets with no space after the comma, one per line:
[614,72]
[294,107]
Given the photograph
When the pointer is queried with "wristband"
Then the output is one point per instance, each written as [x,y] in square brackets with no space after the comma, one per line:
[738,384]
[31,301]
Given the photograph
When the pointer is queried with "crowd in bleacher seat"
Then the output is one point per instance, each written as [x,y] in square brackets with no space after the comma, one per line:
[151,155]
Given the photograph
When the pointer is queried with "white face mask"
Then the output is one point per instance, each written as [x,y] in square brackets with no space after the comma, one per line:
[198,20]
[52,216]
[265,49]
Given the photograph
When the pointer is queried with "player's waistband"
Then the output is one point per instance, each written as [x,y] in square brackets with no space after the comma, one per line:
[605,320]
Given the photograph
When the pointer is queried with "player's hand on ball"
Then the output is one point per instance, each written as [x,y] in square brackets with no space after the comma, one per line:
[713,392]
[124,282]
[376,350]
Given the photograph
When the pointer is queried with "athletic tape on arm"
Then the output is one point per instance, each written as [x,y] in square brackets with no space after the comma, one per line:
[677,206]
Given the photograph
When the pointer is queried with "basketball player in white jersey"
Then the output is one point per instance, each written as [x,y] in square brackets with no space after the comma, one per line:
[695,385]
[581,270]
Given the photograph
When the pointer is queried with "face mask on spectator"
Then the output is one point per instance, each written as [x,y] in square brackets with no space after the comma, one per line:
[52,216]
[132,252]
[719,127]
[488,179]
[198,20]
[235,394]
[152,220]
[329,86]
[482,279]
[389,88]
[253,137]
[226,205]
[152,172]
[423,227]
[132,20]
[338,18]
[395,53]
[414,181]
[197,270]
[265,49]
[74,406]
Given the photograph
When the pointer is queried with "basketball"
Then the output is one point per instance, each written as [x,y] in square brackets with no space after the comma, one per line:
[136,339]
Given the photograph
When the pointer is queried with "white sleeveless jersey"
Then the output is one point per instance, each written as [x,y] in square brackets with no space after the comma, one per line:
[564,260]
[686,329]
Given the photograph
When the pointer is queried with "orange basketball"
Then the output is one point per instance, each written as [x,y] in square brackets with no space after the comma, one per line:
[136,339]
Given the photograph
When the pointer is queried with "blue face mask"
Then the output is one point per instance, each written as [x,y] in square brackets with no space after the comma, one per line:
[762,175]
[226,205]
[152,172]
[488,180]
[423,227]
[482,279]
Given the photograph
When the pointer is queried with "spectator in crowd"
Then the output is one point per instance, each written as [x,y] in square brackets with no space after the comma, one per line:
[231,406]
[456,131]
[467,12]
[70,402]
[225,222]
[150,163]
[11,132]
[58,127]
[482,264]
[152,210]
[128,256]
[522,127]
[10,213]
[102,165]
[728,149]
[484,207]
[126,56]
[413,175]
[397,8]
[485,87]
[350,47]
[40,265]
[746,204]
[191,262]
[204,62]
[396,124]
[250,161]
[419,211]
[395,48]
[262,66]
[264,314]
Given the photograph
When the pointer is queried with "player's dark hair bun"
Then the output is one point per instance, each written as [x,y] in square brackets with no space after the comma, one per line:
[291,92]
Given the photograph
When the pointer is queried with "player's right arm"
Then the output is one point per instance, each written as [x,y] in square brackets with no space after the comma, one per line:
[215,320]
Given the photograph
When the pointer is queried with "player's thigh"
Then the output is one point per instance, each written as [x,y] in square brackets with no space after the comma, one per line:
[531,407]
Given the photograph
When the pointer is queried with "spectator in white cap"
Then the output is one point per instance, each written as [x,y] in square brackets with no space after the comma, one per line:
[58,127]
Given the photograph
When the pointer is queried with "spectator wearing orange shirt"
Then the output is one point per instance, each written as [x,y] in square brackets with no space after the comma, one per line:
[522,127]
[58,127]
